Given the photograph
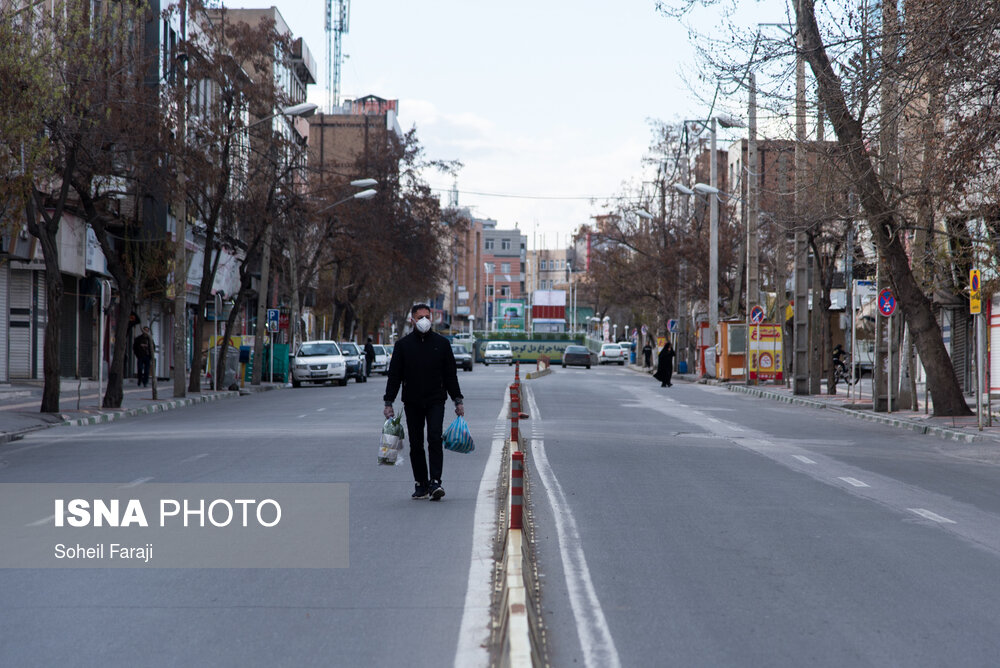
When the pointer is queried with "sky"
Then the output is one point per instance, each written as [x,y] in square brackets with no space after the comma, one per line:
[546,103]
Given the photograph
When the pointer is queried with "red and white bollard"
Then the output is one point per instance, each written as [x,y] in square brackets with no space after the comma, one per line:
[515,411]
[516,489]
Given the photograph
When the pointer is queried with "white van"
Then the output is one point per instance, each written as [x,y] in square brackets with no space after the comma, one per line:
[498,352]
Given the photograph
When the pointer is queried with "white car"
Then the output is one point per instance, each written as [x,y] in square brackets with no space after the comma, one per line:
[381,363]
[611,353]
[319,362]
[498,352]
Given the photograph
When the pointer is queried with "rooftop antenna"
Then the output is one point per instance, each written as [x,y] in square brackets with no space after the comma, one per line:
[453,199]
[338,16]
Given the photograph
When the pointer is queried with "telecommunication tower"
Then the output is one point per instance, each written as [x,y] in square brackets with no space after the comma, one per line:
[338,15]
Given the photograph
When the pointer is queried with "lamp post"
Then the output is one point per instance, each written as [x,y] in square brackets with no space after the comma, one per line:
[713,188]
[304,109]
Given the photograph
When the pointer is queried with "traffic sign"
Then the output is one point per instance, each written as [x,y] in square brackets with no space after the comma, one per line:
[975,303]
[886,302]
[272,319]
[757,315]
[672,326]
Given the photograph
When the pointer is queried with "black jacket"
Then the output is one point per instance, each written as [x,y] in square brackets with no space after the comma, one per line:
[369,351]
[425,366]
[142,347]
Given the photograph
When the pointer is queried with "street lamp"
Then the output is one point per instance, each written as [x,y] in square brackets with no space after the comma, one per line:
[303,110]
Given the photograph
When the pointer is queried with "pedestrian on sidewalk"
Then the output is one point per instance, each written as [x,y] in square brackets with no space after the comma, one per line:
[665,365]
[369,356]
[647,355]
[423,363]
[142,348]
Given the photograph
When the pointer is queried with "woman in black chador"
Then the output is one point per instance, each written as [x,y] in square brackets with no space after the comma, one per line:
[665,365]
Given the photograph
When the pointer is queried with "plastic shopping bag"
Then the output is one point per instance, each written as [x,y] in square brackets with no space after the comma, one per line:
[458,437]
[391,442]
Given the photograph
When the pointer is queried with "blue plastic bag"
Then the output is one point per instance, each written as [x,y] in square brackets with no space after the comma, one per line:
[458,437]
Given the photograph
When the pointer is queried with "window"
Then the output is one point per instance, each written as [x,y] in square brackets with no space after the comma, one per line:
[545,265]
[505,267]
[489,267]
[505,244]
[489,291]
[505,291]
[488,244]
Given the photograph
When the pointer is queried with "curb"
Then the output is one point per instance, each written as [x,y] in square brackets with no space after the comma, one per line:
[145,410]
[537,374]
[900,423]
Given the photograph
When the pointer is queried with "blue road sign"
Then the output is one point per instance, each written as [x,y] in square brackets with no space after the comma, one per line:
[272,319]
[672,326]
[756,315]
[886,302]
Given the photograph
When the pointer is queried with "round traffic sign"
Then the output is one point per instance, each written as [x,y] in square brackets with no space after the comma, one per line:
[756,315]
[975,282]
[886,302]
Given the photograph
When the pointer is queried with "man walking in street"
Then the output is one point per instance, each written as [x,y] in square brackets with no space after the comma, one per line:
[647,355]
[423,363]
[369,356]
[142,348]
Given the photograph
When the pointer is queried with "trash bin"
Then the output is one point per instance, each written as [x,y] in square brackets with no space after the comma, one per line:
[232,369]
[682,366]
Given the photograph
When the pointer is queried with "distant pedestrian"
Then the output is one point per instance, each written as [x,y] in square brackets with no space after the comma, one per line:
[142,347]
[665,365]
[369,356]
[647,356]
[424,364]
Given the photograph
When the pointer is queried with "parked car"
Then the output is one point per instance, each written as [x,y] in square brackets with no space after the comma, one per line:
[576,356]
[319,362]
[381,363]
[611,353]
[463,358]
[498,352]
[464,337]
[355,361]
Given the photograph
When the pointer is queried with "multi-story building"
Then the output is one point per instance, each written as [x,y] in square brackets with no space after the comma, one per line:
[504,255]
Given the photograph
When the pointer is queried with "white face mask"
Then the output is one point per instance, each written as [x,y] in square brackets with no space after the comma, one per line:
[424,324]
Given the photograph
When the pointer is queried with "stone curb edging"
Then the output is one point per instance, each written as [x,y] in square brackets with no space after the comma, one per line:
[900,423]
[161,407]
[537,374]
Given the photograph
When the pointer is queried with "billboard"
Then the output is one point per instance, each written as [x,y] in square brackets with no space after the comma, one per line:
[510,314]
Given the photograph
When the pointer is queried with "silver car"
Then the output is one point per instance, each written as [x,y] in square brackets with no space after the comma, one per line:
[318,362]
[381,363]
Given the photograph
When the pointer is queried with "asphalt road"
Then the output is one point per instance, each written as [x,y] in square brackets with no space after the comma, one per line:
[402,601]
[683,526]
[690,526]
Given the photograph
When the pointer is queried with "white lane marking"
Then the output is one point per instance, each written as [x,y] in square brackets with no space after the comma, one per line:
[136,482]
[194,458]
[715,420]
[803,459]
[42,521]
[474,633]
[595,636]
[854,482]
[320,410]
[934,517]
[301,416]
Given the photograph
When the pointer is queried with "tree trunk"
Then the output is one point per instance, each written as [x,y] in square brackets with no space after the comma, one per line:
[208,267]
[116,370]
[883,222]
[46,231]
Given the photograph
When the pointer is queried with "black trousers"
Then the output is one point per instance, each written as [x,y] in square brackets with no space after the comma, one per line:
[417,416]
[142,370]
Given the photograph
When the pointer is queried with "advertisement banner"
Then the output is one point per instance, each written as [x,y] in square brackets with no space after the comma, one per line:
[510,315]
[766,361]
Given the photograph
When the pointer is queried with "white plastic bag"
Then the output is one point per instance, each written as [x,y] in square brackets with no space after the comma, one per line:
[391,442]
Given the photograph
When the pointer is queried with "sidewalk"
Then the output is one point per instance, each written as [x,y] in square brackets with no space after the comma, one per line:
[79,404]
[860,407]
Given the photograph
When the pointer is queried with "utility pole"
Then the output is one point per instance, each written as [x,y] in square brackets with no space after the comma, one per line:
[753,213]
[801,257]
[258,339]
[180,232]
[713,258]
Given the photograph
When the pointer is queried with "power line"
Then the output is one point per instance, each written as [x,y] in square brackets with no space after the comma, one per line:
[540,197]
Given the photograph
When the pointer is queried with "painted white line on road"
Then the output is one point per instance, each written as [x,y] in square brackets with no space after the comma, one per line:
[803,459]
[41,522]
[474,633]
[301,416]
[854,482]
[933,517]
[320,410]
[136,482]
[595,636]
[194,458]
